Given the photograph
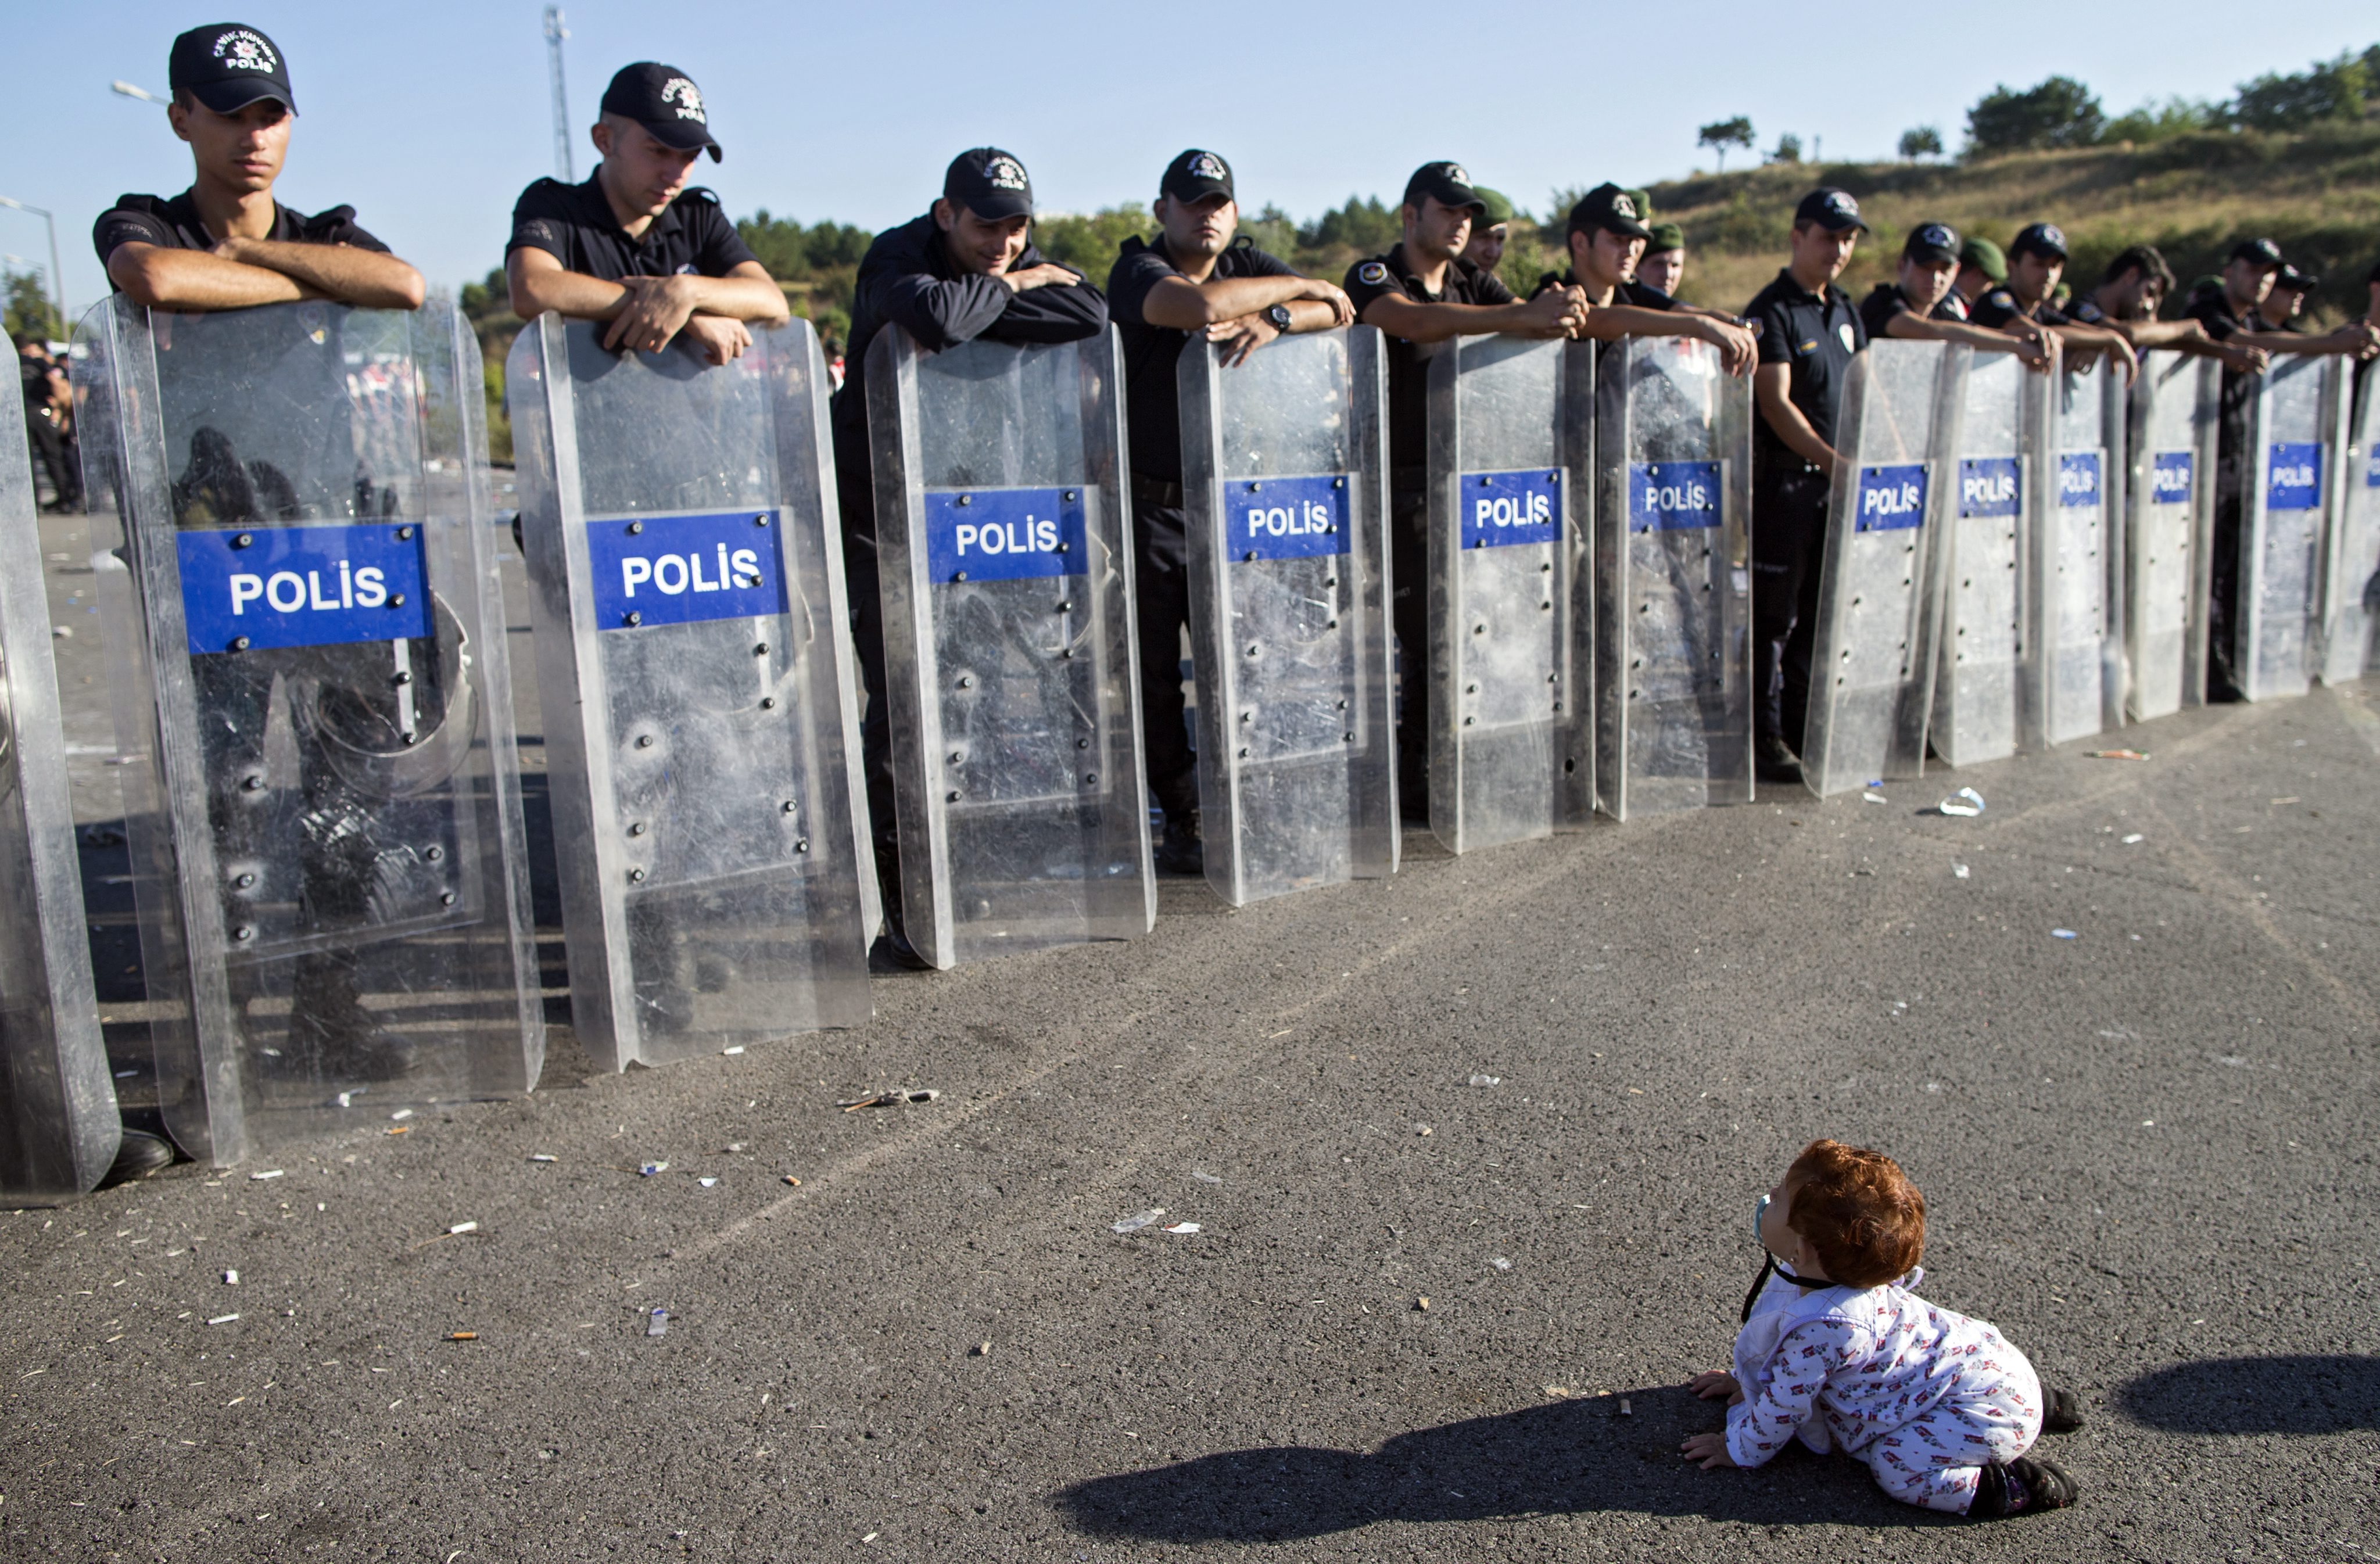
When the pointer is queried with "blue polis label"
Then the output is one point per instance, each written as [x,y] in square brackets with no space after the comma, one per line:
[2293,475]
[1500,509]
[1285,518]
[272,586]
[2172,476]
[1003,534]
[1890,497]
[653,570]
[2078,478]
[2371,467]
[1672,496]
[1989,485]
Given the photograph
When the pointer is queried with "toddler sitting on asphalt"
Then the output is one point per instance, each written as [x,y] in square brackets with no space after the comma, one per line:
[1837,1350]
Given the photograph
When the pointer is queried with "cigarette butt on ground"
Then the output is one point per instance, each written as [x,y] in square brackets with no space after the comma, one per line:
[462,1336]
[1626,1410]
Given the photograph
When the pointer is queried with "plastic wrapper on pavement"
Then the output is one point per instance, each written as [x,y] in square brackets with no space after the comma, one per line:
[1511,736]
[2350,637]
[1008,643]
[1871,659]
[2297,425]
[1282,465]
[1983,685]
[291,527]
[701,724]
[2170,526]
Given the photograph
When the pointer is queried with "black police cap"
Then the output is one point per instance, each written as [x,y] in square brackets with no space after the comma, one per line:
[1932,241]
[989,182]
[1835,211]
[1447,183]
[2263,252]
[2039,238]
[666,101]
[1609,206]
[2289,277]
[227,66]
[1196,174]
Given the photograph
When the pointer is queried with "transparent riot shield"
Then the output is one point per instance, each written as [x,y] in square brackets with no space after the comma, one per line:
[701,724]
[1282,479]
[2169,519]
[1673,598]
[2294,430]
[1511,736]
[291,527]
[1982,697]
[2351,638]
[1008,641]
[2070,573]
[58,1124]
[1872,658]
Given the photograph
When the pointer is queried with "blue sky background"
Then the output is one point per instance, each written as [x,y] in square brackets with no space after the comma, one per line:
[430,116]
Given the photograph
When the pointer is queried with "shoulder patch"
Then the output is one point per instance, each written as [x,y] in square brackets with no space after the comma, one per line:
[1755,326]
[698,195]
[1372,273]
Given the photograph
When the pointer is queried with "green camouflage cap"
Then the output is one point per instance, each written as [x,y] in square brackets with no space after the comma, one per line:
[1498,206]
[1984,257]
[1666,236]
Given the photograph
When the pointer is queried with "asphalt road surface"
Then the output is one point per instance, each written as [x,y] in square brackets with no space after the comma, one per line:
[2147,1151]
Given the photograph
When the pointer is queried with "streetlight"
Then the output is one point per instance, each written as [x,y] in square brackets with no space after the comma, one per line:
[57,279]
[125,89]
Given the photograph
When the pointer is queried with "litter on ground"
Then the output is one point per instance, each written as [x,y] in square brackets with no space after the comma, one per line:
[657,1323]
[2063,934]
[888,1099]
[1486,1080]
[2115,755]
[1966,803]
[1137,1220]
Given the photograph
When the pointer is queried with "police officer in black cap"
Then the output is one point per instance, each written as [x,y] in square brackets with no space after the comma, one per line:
[2231,315]
[225,243]
[1918,304]
[1606,235]
[1198,280]
[2284,305]
[1423,291]
[1808,332]
[2036,260]
[966,268]
[635,245]
[2127,299]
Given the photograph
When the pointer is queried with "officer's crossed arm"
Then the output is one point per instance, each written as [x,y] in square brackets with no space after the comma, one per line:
[2035,350]
[1772,393]
[2190,337]
[646,312]
[1612,322]
[2356,339]
[2084,343]
[1555,312]
[1232,311]
[239,272]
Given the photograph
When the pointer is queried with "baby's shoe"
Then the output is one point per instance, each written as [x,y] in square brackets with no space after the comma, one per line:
[2019,1487]
[2064,1412]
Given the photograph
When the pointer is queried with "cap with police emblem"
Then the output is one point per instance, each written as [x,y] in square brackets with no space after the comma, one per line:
[1609,206]
[2046,239]
[991,183]
[2289,277]
[1196,174]
[1833,210]
[1447,183]
[2263,252]
[227,66]
[1932,241]
[666,101]
[1984,257]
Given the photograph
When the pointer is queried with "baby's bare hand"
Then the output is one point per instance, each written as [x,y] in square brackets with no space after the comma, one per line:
[1711,1383]
[1710,1450]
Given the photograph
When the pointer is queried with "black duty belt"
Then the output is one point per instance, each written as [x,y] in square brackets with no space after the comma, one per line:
[1156,492]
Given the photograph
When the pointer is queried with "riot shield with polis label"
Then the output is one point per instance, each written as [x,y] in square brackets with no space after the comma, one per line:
[2351,638]
[306,640]
[1673,636]
[58,1124]
[2169,522]
[2296,424]
[1283,457]
[1009,645]
[1512,740]
[701,724]
[1871,662]
[1983,696]
[2072,630]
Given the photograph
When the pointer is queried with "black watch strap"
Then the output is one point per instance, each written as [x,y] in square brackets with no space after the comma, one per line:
[1279,318]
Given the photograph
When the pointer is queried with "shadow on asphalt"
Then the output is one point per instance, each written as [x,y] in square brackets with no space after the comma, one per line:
[1563,1457]
[2296,1394]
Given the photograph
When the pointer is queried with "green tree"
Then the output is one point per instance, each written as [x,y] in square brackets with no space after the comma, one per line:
[1364,225]
[1789,149]
[2158,122]
[1719,135]
[2328,91]
[1924,141]
[2060,112]
[1089,243]
[29,306]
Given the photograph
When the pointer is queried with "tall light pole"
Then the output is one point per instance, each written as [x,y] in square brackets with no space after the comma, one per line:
[554,33]
[58,278]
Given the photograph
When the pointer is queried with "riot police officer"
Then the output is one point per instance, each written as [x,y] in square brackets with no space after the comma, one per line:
[1422,292]
[1491,231]
[2135,285]
[2036,260]
[966,268]
[1808,332]
[1199,279]
[1662,267]
[635,245]
[2283,307]
[1982,267]
[1915,303]
[1606,236]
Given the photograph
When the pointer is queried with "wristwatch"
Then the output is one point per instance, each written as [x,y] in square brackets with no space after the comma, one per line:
[1278,318]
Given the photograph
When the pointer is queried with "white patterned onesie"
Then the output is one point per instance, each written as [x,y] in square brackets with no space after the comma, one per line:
[1925,1395]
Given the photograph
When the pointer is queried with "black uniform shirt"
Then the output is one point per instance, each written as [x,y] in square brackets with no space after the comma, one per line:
[1883,302]
[1150,352]
[1408,382]
[907,280]
[2212,308]
[2084,311]
[575,224]
[176,225]
[1639,295]
[2000,305]
[1816,334]
[1953,307]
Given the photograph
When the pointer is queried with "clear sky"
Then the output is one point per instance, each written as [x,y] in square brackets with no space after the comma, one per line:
[430,116]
